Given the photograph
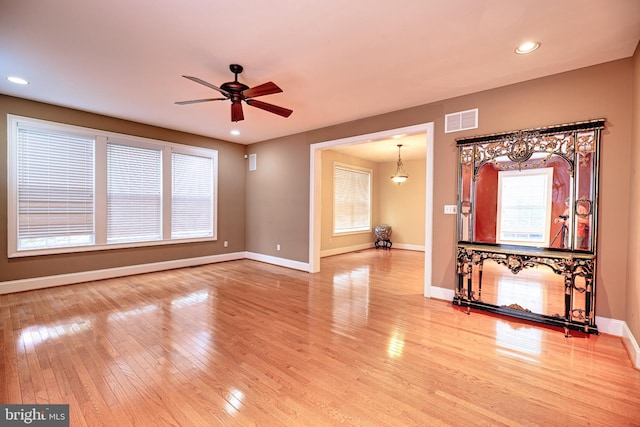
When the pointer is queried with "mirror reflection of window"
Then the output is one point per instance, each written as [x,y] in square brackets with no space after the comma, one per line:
[524,207]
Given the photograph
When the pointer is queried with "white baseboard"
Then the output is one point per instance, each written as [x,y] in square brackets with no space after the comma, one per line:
[619,328]
[405,246]
[346,249]
[610,326]
[87,276]
[282,262]
[442,293]
[354,248]
[632,346]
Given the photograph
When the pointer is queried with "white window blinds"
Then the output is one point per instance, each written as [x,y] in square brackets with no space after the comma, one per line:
[55,189]
[191,196]
[352,200]
[75,189]
[134,188]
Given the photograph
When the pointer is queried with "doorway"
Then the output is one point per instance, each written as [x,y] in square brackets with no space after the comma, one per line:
[316,182]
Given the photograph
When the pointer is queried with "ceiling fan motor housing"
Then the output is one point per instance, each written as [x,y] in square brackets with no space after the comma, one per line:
[234,89]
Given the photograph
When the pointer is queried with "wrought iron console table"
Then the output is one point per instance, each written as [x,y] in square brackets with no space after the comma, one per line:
[579,295]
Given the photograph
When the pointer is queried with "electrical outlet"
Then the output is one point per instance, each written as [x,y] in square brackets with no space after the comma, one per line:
[226,244]
[450,209]
[277,247]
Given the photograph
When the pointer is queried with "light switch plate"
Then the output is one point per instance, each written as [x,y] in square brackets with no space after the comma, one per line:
[450,209]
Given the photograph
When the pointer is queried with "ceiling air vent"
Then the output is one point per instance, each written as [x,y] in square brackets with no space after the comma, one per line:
[462,120]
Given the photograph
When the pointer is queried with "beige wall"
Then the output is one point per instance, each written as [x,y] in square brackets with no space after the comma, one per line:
[632,308]
[278,199]
[328,241]
[589,93]
[231,198]
[403,206]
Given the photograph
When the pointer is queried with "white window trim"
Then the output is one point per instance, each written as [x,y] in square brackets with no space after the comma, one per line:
[101,187]
[167,194]
[355,168]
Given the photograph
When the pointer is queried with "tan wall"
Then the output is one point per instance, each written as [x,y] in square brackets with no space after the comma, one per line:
[231,198]
[278,199]
[632,308]
[593,92]
[328,240]
[403,206]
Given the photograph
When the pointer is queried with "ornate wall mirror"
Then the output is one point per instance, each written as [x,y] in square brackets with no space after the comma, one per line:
[531,188]
[530,193]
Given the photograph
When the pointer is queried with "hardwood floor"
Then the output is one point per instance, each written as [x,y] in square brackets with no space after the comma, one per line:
[247,343]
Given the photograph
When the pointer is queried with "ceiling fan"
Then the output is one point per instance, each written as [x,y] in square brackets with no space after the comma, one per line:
[238,92]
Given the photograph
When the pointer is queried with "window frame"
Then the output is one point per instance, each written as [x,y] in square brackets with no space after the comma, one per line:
[160,169]
[100,183]
[189,151]
[358,169]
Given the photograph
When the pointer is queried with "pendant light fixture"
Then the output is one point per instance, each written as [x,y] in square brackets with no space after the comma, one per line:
[401,175]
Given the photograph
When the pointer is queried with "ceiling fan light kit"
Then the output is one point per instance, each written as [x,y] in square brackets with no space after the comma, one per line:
[237,92]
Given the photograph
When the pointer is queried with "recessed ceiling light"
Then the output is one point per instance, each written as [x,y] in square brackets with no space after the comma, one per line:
[235,132]
[17,80]
[527,47]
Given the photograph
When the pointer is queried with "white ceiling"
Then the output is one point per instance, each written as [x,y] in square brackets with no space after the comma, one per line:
[336,60]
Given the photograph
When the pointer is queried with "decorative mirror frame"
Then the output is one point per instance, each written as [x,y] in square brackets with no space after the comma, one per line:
[572,142]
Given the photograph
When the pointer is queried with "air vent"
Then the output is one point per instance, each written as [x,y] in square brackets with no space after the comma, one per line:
[253,158]
[461,120]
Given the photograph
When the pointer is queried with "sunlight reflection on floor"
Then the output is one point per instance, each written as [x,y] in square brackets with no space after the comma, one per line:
[519,341]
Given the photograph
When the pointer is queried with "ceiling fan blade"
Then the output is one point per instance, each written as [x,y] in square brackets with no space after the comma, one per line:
[207,84]
[195,101]
[262,90]
[236,112]
[284,112]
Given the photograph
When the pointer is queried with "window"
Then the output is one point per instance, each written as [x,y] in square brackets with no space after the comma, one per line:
[75,189]
[54,189]
[134,193]
[524,206]
[191,196]
[351,199]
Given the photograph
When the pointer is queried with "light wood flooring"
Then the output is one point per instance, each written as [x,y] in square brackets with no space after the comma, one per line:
[247,343]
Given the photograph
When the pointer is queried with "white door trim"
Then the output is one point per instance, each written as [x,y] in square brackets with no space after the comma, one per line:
[315,180]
